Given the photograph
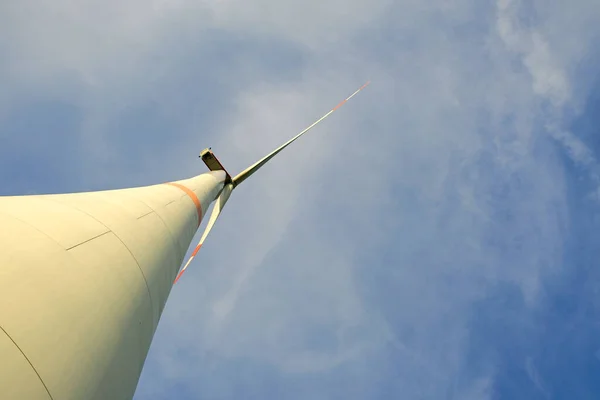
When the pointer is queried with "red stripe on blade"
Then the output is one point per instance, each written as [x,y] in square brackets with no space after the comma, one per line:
[196,250]
[178,276]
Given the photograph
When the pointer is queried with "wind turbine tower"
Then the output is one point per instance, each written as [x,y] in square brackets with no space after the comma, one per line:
[84,278]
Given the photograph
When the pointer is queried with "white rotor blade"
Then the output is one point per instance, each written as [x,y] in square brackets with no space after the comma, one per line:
[242,176]
[226,192]
[217,208]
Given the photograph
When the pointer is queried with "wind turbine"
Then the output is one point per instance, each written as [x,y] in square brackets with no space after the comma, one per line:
[84,278]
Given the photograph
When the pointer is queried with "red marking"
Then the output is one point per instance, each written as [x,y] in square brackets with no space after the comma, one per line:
[196,250]
[339,105]
[190,259]
[344,101]
[178,276]
[192,196]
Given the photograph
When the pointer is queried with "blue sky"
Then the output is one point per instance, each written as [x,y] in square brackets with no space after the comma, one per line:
[436,238]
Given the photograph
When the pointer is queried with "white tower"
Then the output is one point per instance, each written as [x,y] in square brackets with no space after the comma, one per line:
[84,278]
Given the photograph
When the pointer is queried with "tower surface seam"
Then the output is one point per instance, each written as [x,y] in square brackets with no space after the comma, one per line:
[123,243]
[173,242]
[90,239]
[29,362]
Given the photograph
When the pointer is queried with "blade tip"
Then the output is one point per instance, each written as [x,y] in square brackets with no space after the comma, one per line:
[178,276]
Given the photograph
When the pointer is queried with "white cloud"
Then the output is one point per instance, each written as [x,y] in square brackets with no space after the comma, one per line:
[549,81]
[534,375]
[549,78]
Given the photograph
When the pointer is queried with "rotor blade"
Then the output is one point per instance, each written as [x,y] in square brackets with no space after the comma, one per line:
[242,176]
[217,208]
